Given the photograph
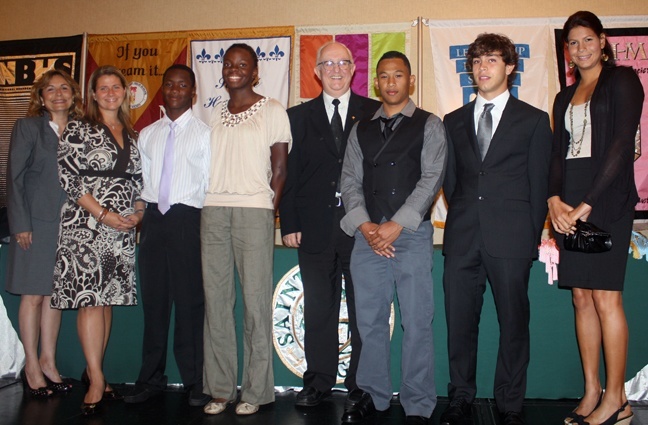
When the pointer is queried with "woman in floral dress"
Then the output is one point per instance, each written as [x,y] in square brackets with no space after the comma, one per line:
[99,168]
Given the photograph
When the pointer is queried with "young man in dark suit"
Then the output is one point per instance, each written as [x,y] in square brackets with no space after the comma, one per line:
[311,210]
[496,188]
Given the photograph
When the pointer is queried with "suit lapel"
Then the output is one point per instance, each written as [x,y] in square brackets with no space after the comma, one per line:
[508,117]
[320,122]
[469,126]
[354,113]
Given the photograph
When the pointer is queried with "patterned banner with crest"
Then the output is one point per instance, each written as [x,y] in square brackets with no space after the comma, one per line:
[273,47]
[142,58]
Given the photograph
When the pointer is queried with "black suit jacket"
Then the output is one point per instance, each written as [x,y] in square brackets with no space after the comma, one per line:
[314,168]
[504,197]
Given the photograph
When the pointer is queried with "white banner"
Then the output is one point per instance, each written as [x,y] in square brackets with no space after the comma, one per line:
[207,62]
[450,41]
[454,84]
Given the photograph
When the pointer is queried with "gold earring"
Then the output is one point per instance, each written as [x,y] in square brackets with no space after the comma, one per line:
[604,56]
[571,64]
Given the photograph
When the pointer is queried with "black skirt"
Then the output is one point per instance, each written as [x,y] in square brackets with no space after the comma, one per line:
[604,270]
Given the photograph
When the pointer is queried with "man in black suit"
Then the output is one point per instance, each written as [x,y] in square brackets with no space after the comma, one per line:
[496,187]
[311,210]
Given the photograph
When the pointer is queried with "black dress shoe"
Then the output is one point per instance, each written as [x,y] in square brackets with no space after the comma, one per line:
[512,418]
[141,394]
[353,397]
[360,411]
[198,398]
[311,396]
[416,420]
[458,412]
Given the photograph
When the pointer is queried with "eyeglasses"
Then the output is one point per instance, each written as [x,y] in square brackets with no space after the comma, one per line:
[343,64]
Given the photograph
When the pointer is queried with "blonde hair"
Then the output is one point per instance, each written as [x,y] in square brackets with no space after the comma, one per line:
[36,106]
[93,114]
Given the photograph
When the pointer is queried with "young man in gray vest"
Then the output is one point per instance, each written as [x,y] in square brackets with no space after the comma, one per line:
[393,169]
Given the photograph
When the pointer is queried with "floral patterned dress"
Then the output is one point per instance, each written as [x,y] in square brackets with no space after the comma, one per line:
[95,264]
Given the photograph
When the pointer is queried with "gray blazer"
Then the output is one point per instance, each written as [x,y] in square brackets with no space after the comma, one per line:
[33,188]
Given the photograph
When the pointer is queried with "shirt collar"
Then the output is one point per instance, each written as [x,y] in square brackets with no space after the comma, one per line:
[407,111]
[344,99]
[182,120]
[499,101]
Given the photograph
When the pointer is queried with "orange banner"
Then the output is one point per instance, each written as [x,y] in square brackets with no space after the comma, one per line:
[142,58]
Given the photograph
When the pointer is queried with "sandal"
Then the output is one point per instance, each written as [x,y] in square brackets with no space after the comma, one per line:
[43,392]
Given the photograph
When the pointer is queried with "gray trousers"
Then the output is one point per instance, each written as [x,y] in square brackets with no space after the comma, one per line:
[375,278]
[243,237]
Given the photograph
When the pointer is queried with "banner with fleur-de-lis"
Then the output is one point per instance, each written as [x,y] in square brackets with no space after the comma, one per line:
[273,47]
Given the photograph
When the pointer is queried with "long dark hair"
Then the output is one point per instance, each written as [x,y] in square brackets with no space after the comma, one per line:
[584,18]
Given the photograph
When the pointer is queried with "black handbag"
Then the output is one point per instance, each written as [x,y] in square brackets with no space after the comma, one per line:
[588,239]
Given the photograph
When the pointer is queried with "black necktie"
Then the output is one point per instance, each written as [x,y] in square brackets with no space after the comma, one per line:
[485,129]
[389,123]
[336,125]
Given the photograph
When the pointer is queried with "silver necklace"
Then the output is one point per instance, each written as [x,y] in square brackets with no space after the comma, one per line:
[577,145]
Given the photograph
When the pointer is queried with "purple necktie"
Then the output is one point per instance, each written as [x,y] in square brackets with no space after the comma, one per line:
[164,202]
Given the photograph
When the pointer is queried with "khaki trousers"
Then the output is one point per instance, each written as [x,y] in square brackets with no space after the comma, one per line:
[243,237]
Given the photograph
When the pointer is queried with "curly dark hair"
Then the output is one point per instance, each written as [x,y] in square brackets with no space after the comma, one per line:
[487,43]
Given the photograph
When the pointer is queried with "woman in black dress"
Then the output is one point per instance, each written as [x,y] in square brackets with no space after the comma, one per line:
[592,179]
[100,169]
[34,201]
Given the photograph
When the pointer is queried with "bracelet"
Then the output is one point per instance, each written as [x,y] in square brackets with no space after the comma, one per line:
[140,210]
[102,215]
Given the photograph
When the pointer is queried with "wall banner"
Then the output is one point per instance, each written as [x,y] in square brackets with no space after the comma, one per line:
[21,63]
[142,58]
[454,84]
[273,54]
[366,42]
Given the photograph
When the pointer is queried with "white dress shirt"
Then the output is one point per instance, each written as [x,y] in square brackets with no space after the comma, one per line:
[190,160]
[496,113]
[343,107]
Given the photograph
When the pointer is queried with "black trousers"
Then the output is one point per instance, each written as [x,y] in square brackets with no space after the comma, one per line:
[464,283]
[171,275]
[322,280]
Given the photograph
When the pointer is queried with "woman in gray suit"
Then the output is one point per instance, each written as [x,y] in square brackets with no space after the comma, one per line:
[35,198]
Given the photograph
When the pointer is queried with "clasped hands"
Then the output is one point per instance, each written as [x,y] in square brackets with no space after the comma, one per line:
[563,216]
[123,224]
[381,236]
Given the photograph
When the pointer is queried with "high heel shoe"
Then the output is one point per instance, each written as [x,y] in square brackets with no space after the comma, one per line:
[43,392]
[575,417]
[614,419]
[111,395]
[85,379]
[58,387]
[90,408]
